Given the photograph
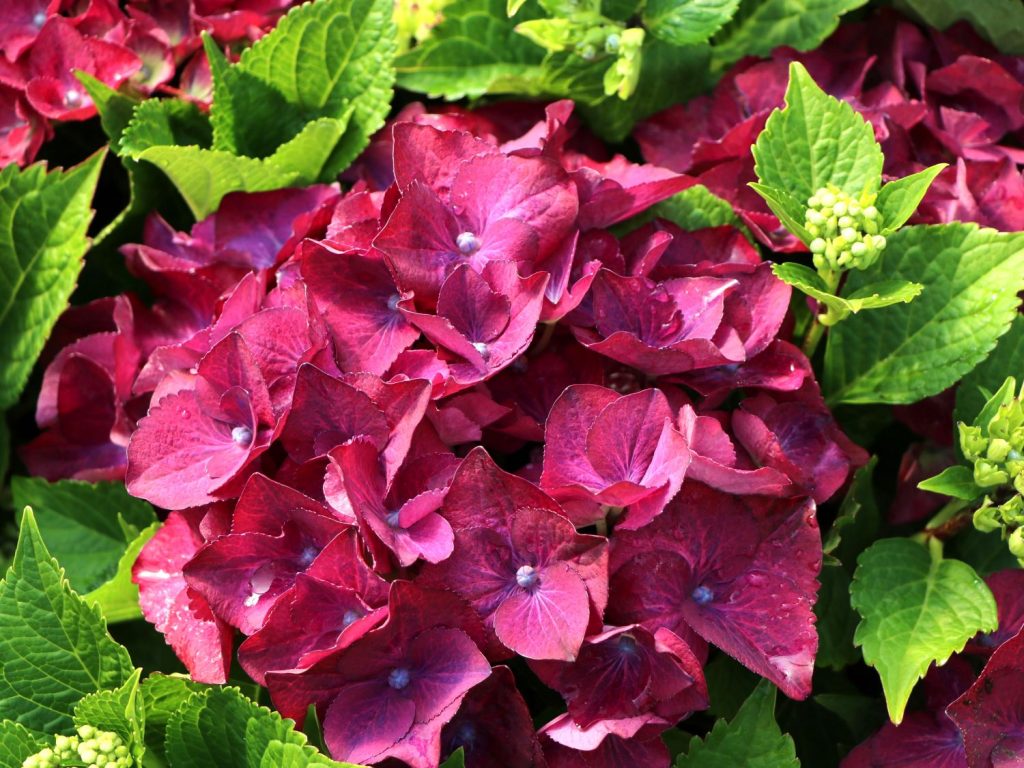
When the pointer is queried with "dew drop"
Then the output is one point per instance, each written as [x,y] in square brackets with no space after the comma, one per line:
[241,435]
[39,19]
[702,595]
[72,97]
[398,678]
[467,243]
[527,577]
[349,617]
[480,347]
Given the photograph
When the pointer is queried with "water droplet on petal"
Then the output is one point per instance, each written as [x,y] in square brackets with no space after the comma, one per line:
[39,19]
[72,98]
[349,617]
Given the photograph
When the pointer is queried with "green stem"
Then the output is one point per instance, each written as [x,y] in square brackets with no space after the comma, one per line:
[947,513]
[817,330]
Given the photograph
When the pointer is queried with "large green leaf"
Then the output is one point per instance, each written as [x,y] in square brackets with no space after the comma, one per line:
[762,25]
[16,743]
[917,608]
[162,696]
[684,22]
[118,598]
[120,711]
[898,199]
[752,739]
[86,526]
[473,51]
[816,140]
[1000,21]
[54,647]
[43,222]
[221,727]
[1007,359]
[971,278]
[697,208]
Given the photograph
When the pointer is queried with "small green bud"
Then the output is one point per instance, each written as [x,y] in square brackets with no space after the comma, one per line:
[818,245]
[841,222]
[870,212]
[1016,543]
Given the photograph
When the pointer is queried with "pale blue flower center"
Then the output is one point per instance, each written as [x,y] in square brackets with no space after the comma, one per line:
[241,435]
[349,617]
[467,243]
[398,678]
[527,577]
[702,595]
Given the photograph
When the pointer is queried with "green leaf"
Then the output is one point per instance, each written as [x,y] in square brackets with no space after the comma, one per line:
[86,526]
[165,122]
[836,621]
[120,711]
[670,74]
[874,296]
[162,696]
[1001,22]
[473,51]
[684,22]
[456,760]
[816,140]
[115,108]
[916,608]
[971,278]
[898,199]
[697,208]
[220,727]
[978,385]
[762,25]
[205,176]
[752,739]
[857,523]
[787,207]
[54,648]
[956,481]
[118,598]
[16,743]
[43,223]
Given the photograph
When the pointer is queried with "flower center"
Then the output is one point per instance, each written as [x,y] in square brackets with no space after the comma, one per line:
[527,577]
[72,97]
[39,19]
[398,678]
[392,518]
[393,301]
[627,644]
[241,435]
[702,595]
[349,617]
[467,243]
[480,347]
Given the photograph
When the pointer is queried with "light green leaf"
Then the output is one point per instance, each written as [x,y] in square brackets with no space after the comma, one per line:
[971,278]
[1007,359]
[120,711]
[685,22]
[54,648]
[874,296]
[884,293]
[916,609]
[816,140]
[898,199]
[16,743]
[697,208]
[787,207]
[752,739]
[760,26]
[115,108]
[220,726]
[43,223]
[456,760]
[473,51]
[118,598]
[165,122]
[836,621]
[1001,22]
[162,696]
[86,526]
[283,755]
[956,481]
[551,34]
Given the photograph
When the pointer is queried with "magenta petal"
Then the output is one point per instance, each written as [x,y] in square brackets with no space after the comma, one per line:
[1008,589]
[366,720]
[547,621]
[990,714]
[922,740]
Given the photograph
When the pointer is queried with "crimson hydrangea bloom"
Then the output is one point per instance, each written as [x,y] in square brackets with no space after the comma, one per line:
[623,451]
[519,561]
[627,672]
[276,533]
[484,320]
[990,714]
[201,640]
[751,593]
[400,517]
[1008,589]
[493,726]
[200,438]
[606,744]
[389,693]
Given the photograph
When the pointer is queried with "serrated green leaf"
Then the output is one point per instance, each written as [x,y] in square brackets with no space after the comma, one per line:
[473,51]
[670,74]
[752,739]
[762,25]
[43,223]
[836,621]
[162,696]
[86,526]
[816,140]
[697,208]
[917,608]
[1001,22]
[1007,359]
[54,648]
[118,598]
[165,122]
[874,296]
[120,711]
[884,293]
[898,199]
[16,743]
[971,278]
[787,207]
[220,726]
[685,22]
[283,755]
[956,481]
[115,108]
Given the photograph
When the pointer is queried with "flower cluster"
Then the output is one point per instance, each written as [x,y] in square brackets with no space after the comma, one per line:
[142,46]
[447,419]
[921,90]
[845,230]
[90,747]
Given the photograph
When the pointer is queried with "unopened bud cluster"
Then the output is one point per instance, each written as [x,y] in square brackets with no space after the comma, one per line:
[91,747]
[845,230]
[997,451]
